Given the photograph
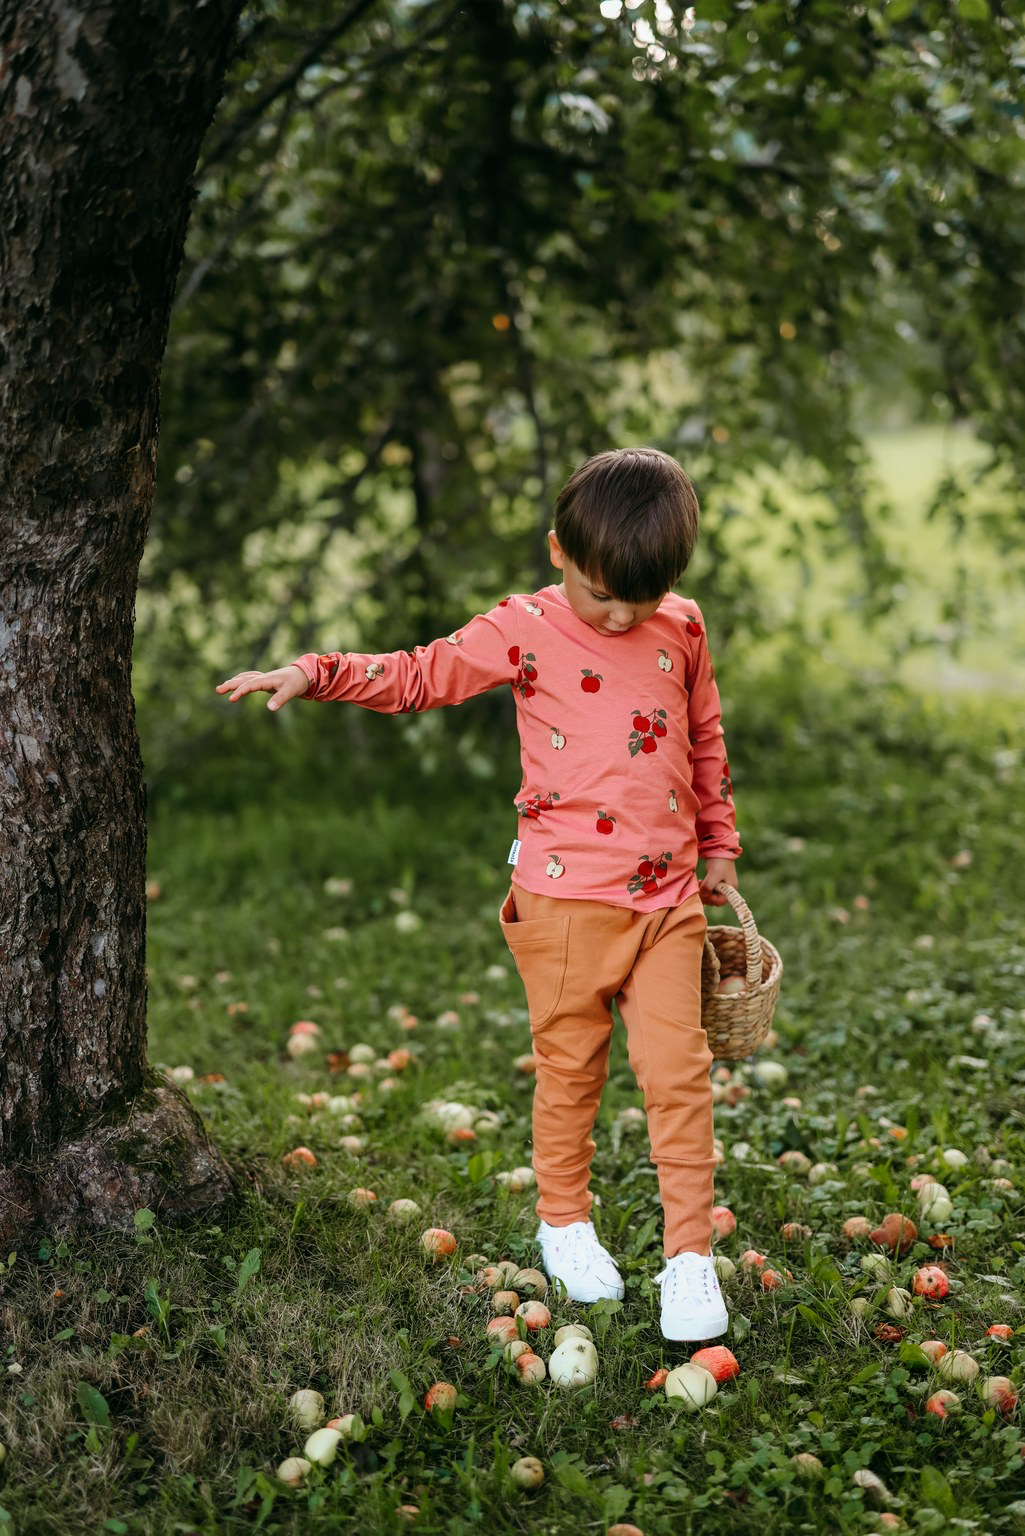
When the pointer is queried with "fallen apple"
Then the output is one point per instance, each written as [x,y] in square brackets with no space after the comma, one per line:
[771,1074]
[573,1331]
[934,1203]
[719,1361]
[438,1242]
[573,1363]
[933,1349]
[530,1368]
[724,1223]
[403,1210]
[692,1384]
[895,1232]
[440,1397]
[808,1465]
[998,1392]
[307,1408]
[504,1303]
[531,1282]
[515,1348]
[322,1446]
[534,1313]
[898,1303]
[930,1280]
[293,1470]
[957,1365]
[732,986]
[873,1485]
[527,1472]
[501,1330]
[856,1226]
[299,1157]
[349,1425]
[942,1403]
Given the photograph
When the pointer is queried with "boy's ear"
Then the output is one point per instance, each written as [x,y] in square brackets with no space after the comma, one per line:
[554,550]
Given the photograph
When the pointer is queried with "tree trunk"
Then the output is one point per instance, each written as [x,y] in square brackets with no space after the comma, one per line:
[102,111]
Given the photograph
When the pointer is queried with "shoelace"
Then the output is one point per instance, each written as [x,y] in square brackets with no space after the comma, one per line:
[694,1263]
[579,1241]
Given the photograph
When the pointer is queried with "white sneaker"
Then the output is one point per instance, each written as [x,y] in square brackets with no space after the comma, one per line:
[574,1255]
[692,1303]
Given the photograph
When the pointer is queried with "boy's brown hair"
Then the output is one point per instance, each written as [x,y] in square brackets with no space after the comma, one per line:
[628,519]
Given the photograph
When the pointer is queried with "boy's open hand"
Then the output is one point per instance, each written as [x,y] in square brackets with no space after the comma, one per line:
[285,683]
[716,870]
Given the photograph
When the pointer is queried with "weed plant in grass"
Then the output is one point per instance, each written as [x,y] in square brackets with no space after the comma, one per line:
[148,1376]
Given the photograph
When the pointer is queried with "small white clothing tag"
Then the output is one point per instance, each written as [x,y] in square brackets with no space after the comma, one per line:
[514,852]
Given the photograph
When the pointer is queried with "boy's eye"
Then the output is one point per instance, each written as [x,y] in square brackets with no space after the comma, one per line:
[599,599]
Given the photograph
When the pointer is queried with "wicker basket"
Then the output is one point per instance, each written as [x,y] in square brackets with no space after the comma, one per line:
[736,1025]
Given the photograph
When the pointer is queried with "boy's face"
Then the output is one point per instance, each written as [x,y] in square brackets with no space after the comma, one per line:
[592,603]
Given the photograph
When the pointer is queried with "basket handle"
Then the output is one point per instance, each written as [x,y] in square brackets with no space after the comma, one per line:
[752,942]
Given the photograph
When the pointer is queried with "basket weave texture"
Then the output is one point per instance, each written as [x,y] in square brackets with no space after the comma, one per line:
[736,1025]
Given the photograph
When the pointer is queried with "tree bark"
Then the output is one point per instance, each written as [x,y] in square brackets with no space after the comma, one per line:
[103,107]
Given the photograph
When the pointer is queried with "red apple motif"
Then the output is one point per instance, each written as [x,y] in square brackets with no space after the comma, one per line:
[649,744]
[693,627]
[641,723]
[605,822]
[514,655]
[658,727]
[649,886]
[661,870]
[645,867]
[590,681]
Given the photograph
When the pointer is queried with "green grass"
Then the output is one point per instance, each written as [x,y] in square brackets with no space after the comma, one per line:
[181,1428]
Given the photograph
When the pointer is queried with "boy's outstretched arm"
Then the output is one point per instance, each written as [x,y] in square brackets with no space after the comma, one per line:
[718,843]
[474,658]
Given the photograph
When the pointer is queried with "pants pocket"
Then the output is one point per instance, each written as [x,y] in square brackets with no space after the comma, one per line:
[540,948]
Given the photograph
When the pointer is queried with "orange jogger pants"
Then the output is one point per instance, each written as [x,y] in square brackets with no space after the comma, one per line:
[574,958]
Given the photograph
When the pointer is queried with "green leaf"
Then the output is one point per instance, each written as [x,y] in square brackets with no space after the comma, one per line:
[973,10]
[814,1318]
[143,1219]
[616,1501]
[937,1491]
[911,1354]
[93,1404]
[249,1267]
[574,1481]
[117,1526]
[866,1373]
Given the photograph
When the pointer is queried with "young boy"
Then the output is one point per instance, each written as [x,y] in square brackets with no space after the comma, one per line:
[625,786]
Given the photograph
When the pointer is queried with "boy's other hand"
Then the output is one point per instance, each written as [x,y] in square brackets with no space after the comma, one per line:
[716,870]
[285,683]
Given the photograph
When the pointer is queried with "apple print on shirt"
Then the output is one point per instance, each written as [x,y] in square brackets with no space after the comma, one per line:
[605,823]
[649,873]
[590,681]
[527,671]
[555,867]
[533,805]
[646,730]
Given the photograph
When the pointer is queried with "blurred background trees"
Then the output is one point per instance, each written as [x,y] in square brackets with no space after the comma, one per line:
[443,251]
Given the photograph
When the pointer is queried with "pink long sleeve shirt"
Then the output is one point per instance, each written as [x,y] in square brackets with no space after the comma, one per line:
[625,777]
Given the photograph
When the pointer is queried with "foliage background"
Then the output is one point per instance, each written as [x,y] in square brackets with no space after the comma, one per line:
[441,252]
